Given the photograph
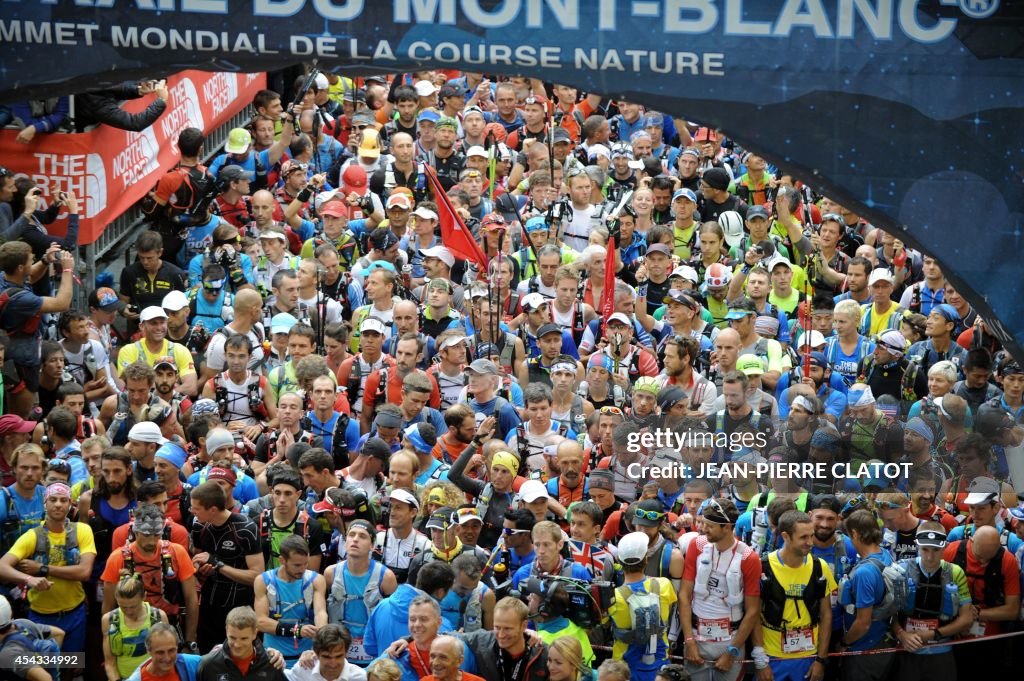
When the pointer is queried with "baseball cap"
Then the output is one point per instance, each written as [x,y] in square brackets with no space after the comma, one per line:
[421,439]
[399,200]
[532,490]
[282,322]
[405,496]
[273,233]
[152,312]
[165,361]
[757,212]
[681,297]
[633,548]
[106,299]
[238,142]
[620,318]
[659,248]
[354,177]
[737,312]
[560,135]
[147,431]
[684,193]
[686,272]
[441,253]
[368,146]
[483,367]
[982,490]
[815,338]
[649,513]
[425,213]
[602,479]
[371,324]
[334,209]
[880,274]
[468,514]
[225,474]
[174,301]
[596,150]
[291,166]
[533,302]
[429,116]
[751,365]
[776,260]
[818,359]
[930,538]
[442,519]
[471,110]
[424,88]
[476,150]
[704,135]
[234,173]
[12,423]
[549,328]
[670,397]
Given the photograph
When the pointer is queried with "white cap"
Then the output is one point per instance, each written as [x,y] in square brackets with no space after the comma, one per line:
[778,260]
[174,301]
[732,224]
[450,342]
[687,273]
[815,338]
[633,547]
[5,612]
[533,301]
[424,88]
[321,82]
[620,317]
[441,253]
[595,150]
[372,324]
[152,312]
[880,274]
[532,490]
[476,150]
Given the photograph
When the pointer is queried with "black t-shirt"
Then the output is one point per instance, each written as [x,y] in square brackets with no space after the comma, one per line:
[143,292]
[731,424]
[906,544]
[229,543]
[448,169]
[656,294]
[709,210]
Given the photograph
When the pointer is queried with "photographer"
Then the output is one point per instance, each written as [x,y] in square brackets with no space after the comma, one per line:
[20,316]
[225,250]
[29,225]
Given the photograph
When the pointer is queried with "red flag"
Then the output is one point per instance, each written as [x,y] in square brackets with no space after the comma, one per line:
[608,293]
[454,234]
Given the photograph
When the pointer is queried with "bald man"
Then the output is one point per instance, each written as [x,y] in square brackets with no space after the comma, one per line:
[570,485]
[727,352]
[248,313]
[995,594]
[446,654]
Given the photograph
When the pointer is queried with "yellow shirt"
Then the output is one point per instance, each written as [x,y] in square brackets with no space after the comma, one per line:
[879,320]
[131,353]
[794,581]
[682,241]
[63,594]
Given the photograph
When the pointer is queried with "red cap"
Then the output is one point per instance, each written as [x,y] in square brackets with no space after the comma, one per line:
[354,178]
[12,423]
[335,209]
[705,135]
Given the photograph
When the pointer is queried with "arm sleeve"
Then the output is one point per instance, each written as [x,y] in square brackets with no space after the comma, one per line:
[457,473]
[113,115]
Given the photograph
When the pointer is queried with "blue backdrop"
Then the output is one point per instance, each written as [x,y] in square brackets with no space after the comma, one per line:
[908,111]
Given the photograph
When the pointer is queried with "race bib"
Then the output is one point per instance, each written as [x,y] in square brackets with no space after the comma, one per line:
[915,626]
[713,631]
[977,629]
[798,641]
[356,651]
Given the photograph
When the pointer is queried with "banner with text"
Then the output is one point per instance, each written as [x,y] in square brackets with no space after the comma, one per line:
[907,110]
[110,169]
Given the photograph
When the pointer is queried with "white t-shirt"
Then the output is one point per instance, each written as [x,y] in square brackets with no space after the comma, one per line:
[215,350]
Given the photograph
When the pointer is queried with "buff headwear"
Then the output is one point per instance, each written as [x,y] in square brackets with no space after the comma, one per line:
[505,460]
[58,489]
[860,395]
[894,342]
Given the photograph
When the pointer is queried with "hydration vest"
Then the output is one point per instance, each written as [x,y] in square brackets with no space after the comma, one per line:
[276,611]
[949,605]
[774,596]
[338,597]
[733,575]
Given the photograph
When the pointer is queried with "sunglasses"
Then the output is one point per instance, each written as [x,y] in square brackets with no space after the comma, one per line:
[641,514]
[614,411]
[360,127]
[533,99]
[889,505]
[510,531]
[832,217]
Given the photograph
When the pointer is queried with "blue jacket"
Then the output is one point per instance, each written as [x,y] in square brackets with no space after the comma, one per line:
[389,621]
[186,666]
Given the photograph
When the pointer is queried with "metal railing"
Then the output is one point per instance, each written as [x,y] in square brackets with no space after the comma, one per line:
[119,236]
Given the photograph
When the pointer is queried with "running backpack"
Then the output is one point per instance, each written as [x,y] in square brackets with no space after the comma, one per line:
[895,578]
[645,625]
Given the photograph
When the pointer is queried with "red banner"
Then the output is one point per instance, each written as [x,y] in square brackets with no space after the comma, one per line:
[109,169]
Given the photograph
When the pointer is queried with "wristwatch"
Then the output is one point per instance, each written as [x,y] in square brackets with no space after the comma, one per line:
[734,651]
[821,660]
[44,570]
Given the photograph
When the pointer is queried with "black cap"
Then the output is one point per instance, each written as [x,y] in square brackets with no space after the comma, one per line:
[560,135]
[716,178]
[549,328]
[827,501]
[234,173]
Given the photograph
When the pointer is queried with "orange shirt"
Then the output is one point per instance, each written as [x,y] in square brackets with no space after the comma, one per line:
[179,535]
[394,388]
[151,571]
[463,676]
[976,585]
[147,675]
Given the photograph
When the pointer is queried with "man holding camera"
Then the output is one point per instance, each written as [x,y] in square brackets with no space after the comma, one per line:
[21,312]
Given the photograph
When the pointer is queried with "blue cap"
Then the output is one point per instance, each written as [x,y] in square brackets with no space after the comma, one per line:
[172,453]
[282,322]
[653,119]
[686,194]
[734,314]
[536,224]
[947,311]
[819,359]
[416,439]
[429,115]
